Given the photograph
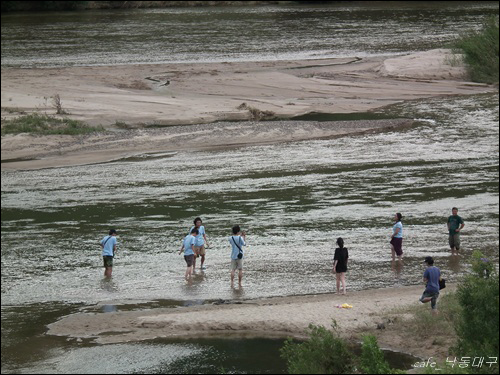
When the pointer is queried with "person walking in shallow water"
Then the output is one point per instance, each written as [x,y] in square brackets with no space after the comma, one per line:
[397,238]
[108,244]
[188,247]
[455,226]
[237,241]
[201,240]
[340,264]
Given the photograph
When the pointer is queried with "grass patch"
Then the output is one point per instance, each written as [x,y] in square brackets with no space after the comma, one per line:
[480,52]
[424,325]
[11,110]
[45,125]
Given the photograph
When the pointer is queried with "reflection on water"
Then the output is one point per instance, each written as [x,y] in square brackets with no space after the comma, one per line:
[109,285]
[455,263]
[397,268]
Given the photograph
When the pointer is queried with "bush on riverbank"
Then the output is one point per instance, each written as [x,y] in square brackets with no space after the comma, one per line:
[45,125]
[324,353]
[478,323]
[327,353]
[466,329]
[480,51]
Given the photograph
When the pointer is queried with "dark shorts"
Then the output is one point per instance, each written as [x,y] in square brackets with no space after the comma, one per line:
[108,261]
[340,268]
[454,240]
[189,260]
[398,245]
[433,295]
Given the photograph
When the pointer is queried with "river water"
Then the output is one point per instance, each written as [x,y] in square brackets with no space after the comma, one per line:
[136,36]
[294,199]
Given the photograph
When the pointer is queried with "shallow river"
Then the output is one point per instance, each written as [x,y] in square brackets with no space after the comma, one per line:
[136,36]
[294,199]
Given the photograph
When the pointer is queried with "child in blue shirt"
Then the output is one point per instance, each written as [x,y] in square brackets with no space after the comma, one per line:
[188,247]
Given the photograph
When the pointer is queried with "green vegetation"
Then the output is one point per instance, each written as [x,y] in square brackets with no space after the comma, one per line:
[478,324]
[327,353]
[480,49]
[44,124]
[424,325]
[467,325]
[372,358]
[324,353]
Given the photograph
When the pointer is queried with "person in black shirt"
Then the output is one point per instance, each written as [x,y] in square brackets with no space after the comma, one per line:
[340,264]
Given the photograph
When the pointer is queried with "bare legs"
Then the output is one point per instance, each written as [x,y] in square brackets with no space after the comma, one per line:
[400,257]
[107,272]
[341,278]
[240,277]
[189,272]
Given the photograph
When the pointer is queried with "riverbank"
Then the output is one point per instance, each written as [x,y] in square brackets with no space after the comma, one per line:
[129,100]
[277,317]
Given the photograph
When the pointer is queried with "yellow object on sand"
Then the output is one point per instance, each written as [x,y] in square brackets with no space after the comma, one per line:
[346,306]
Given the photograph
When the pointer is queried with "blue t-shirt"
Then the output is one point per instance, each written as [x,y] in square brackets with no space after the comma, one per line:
[189,240]
[236,240]
[432,274]
[199,238]
[400,233]
[109,245]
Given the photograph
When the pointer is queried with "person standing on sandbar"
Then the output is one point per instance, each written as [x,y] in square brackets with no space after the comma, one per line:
[340,264]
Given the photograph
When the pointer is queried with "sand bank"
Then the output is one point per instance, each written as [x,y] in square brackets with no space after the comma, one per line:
[141,96]
[268,317]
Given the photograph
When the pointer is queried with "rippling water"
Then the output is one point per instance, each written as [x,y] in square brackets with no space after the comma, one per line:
[136,36]
[294,200]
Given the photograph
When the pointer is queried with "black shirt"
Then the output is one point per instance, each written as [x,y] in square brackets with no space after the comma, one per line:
[341,255]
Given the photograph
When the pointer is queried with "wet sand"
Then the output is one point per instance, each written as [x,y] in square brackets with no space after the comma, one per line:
[138,97]
[267,318]
[60,151]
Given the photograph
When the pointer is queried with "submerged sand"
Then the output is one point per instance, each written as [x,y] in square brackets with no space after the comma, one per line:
[131,99]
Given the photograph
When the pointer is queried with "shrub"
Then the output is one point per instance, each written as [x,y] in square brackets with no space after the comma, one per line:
[372,359]
[481,266]
[478,325]
[43,124]
[324,353]
[480,49]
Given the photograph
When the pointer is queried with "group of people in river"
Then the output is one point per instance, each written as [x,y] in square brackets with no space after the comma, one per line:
[194,246]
